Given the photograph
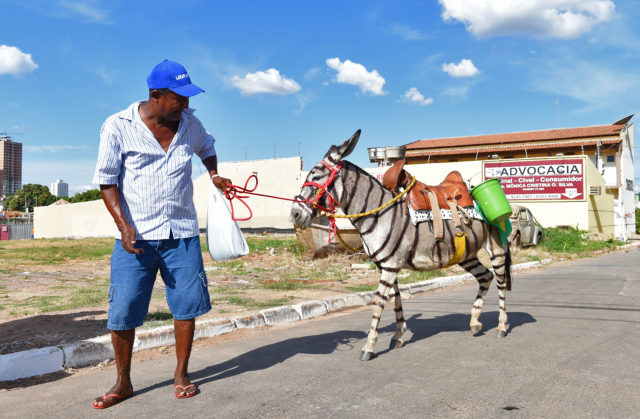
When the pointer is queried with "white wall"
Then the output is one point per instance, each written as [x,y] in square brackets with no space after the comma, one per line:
[83,219]
[279,177]
[628,173]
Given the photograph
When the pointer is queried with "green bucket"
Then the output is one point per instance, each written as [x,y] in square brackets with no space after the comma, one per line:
[492,201]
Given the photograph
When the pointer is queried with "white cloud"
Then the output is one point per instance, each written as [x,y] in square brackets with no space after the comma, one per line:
[407,32]
[107,75]
[15,62]
[265,82]
[86,9]
[415,97]
[53,148]
[357,75]
[464,68]
[540,18]
[593,83]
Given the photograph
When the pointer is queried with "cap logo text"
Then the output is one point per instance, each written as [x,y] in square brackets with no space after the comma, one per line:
[182,76]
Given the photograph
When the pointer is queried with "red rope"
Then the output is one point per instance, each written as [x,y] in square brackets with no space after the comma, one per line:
[234,191]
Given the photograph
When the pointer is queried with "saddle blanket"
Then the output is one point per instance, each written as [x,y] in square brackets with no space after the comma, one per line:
[426,215]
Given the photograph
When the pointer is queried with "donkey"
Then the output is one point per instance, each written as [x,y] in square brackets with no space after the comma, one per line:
[393,242]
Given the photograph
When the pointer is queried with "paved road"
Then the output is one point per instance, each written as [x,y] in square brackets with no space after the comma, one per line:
[573,351]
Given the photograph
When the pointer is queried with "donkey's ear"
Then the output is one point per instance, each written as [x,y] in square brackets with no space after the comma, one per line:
[337,153]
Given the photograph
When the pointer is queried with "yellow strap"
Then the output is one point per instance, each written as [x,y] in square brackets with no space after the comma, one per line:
[344,243]
[380,208]
[460,243]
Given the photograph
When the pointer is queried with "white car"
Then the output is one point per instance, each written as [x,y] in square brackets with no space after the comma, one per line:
[525,230]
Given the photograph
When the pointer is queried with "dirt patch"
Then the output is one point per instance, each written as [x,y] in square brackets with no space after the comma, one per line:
[46,305]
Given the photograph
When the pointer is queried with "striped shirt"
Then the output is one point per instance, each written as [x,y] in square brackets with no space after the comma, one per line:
[156,192]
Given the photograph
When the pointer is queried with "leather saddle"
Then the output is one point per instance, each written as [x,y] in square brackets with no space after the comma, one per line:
[452,190]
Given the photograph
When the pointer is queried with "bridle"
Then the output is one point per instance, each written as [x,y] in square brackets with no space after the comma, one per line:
[323,189]
[330,213]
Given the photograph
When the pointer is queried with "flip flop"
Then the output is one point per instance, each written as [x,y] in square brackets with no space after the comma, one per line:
[106,396]
[183,389]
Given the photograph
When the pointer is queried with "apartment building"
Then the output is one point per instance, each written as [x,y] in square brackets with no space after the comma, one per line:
[10,165]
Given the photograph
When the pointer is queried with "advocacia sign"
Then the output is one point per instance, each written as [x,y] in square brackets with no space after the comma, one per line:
[552,179]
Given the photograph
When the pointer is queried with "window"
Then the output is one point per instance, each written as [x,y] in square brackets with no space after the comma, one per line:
[611,159]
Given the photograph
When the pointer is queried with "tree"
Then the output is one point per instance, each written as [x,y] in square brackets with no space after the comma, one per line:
[32,195]
[90,195]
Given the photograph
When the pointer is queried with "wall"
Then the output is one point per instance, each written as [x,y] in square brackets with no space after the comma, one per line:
[601,207]
[83,219]
[279,177]
[593,214]
[627,215]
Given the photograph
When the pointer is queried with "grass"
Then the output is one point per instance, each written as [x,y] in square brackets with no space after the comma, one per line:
[78,298]
[236,267]
[417,276]
[280,245]
[158,318]
[286,285]
[54,251]
[265,244]
[571,240]
[362,288]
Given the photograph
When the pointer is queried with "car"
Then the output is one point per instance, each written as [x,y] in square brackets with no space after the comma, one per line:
[525,230]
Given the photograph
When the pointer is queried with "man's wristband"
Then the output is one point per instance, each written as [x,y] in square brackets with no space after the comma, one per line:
[214,176]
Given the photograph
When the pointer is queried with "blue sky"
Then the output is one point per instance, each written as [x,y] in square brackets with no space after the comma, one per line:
[291,77]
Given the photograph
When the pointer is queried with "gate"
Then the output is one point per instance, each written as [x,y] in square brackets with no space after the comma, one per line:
[16,231]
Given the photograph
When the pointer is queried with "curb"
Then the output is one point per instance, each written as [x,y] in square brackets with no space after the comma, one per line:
[41,361]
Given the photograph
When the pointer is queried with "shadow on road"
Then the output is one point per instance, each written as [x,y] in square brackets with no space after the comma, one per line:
[423,328]
[270,355]
[327,343]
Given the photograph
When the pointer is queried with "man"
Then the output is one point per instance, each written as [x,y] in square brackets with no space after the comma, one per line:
[144,173]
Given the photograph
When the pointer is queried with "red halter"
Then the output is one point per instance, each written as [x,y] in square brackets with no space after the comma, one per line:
[322,189]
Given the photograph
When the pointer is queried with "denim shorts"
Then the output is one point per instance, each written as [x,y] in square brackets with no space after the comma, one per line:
[133,276]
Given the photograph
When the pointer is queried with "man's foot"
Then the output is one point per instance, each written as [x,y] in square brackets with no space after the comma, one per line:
[117,394]
[109,399]
[183,387]
[184,392]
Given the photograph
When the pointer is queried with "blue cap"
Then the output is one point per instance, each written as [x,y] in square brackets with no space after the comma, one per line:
[173,76]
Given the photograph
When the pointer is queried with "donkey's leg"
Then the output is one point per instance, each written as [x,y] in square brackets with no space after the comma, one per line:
[401,325]
[387,279]
[484,277]
[498,261]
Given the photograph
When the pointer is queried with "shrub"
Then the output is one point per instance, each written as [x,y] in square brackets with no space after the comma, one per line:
[572,240]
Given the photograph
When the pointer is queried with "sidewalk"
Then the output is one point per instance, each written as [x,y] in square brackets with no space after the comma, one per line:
[93,351]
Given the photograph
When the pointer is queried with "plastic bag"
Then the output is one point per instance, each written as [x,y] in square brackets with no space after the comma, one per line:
[224,237]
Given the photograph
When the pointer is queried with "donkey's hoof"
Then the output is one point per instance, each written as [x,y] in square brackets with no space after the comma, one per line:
[476,328]
[396,343]
[367,356]
[502,333]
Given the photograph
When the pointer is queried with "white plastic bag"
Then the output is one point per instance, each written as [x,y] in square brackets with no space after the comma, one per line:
[224,238]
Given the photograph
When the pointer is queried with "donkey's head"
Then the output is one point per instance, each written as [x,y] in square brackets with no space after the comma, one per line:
[324,176]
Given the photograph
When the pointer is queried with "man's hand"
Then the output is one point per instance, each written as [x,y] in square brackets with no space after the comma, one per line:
[129,239]
[221,182]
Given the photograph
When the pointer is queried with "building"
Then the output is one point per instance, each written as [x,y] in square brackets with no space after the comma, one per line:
[10,165]
[59,188]
[581,177]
